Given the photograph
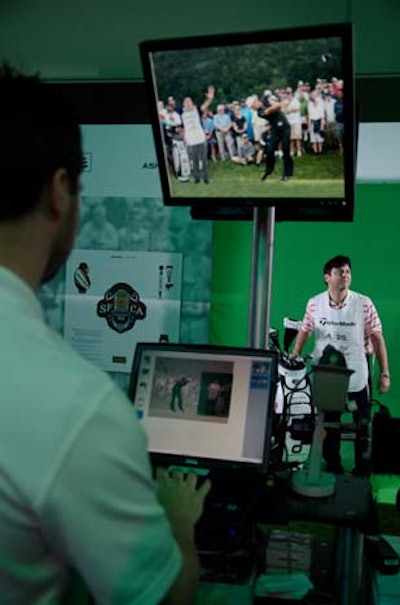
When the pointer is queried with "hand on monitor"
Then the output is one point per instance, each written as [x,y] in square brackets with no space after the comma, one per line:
[177,493]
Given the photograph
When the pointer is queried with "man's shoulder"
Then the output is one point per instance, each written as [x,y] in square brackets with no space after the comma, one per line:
[56,368]
[360,298]
[318,298]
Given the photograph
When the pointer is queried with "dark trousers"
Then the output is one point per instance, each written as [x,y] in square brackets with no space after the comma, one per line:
[176,399]
[362,418]
[198,159]
[280,134]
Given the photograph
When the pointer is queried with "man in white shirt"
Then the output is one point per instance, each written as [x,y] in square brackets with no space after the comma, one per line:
[316,121]
[76,489]
[195,137]
[223,130]
[292,111]
[330,120]
[349,322]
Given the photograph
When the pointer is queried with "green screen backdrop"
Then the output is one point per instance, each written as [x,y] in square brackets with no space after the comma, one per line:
[299,253]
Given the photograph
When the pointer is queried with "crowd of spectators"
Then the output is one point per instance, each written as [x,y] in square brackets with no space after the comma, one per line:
[235,131]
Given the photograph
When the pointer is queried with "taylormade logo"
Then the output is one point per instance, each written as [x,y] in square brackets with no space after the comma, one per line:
[346,324]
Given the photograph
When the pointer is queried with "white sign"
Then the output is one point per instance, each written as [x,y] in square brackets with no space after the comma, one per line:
[378,152]
[115,299]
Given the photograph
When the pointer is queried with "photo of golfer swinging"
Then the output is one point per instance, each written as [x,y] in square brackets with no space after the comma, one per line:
[185,389]
[262,119]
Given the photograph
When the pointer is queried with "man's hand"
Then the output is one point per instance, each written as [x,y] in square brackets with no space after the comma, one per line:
[183,503]
[383,383]
[210,92]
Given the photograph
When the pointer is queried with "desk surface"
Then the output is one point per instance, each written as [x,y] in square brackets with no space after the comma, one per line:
[347,508]
[348,505]
[224,594]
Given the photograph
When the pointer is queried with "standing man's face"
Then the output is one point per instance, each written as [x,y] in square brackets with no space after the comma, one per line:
[339,278]
[188,104]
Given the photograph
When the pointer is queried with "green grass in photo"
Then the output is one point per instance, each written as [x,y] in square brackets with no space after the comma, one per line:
[314,176]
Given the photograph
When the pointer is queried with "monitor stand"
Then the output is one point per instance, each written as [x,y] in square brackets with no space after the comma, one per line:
[262,251]
[312,481]
[330,386]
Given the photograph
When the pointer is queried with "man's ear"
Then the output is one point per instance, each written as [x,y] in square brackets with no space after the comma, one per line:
[58,195]
[326,277]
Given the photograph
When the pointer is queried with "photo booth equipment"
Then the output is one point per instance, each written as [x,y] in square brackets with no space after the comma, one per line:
[330,386]
[233,450]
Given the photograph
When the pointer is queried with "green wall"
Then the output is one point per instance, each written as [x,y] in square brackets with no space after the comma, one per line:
[71,40]
[88,39]
[299,253]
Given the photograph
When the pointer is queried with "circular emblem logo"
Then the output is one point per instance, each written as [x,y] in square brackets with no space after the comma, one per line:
[121,307]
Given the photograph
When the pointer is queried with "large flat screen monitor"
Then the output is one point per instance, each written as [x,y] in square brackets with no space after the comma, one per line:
[255,119]
[205,407]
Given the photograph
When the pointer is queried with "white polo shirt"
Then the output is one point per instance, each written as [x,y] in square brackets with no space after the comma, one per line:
[194,132]
[75,481]
[346,328]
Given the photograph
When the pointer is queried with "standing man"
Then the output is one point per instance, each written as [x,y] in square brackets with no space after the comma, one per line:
[195,137]
[273,111]
[330,121]
[223,131]
[349,322]
[76,488]
[214,389]
[292,112]
[176,393]
[339,118]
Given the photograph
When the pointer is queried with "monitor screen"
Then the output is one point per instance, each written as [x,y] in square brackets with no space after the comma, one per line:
[255,119]
[205,406]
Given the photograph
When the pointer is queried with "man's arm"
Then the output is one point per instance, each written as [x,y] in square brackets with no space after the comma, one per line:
[301,340]
[208,98]
[139,543]
[379,346]
[184,587]
[183,505]
[274,106]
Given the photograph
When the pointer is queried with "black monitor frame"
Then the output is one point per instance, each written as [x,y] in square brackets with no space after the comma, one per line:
[200,462]
[287,208]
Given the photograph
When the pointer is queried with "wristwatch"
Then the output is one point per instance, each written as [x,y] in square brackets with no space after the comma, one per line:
[383,375]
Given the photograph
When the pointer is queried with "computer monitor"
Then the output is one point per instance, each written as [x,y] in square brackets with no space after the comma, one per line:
[203,407]
[249,72]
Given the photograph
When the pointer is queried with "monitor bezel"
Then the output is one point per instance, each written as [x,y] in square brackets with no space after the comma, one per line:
[286,208]
[199,462]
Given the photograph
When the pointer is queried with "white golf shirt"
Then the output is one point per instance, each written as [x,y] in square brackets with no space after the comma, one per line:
[75,481]
[346,328]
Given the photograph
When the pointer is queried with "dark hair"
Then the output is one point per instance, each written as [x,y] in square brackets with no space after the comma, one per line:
[335,263]
[39,134]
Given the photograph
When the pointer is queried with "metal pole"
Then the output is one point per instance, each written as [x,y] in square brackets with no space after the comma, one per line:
[261,276]
[270,243]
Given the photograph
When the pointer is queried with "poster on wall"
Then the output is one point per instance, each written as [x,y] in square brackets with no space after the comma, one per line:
[115,299]
[119,161]
[122,210]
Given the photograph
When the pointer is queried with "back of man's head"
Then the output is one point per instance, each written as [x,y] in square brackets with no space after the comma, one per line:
[38,135]
[336,263]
